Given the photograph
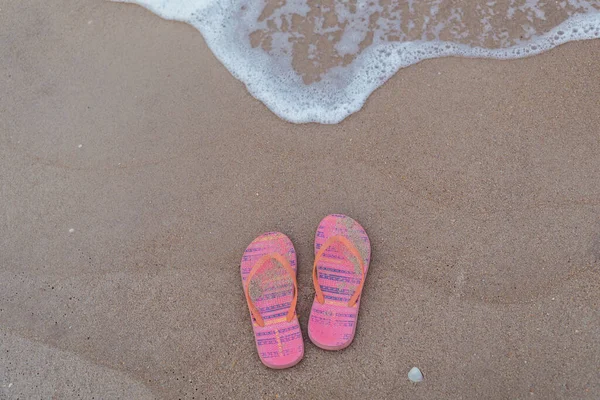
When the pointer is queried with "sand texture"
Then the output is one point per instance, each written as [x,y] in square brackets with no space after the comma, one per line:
[135,170]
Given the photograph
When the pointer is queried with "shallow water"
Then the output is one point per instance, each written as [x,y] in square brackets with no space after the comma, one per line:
[318,61]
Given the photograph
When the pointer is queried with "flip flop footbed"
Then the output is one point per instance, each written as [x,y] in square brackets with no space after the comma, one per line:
[271,290]
[332,325]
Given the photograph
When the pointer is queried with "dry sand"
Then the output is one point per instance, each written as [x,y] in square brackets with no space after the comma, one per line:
[477,180]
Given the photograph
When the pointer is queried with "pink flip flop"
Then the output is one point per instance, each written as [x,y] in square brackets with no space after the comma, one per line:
[342,255]
[269,278]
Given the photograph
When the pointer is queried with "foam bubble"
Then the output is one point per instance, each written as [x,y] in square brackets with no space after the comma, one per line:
[319,61]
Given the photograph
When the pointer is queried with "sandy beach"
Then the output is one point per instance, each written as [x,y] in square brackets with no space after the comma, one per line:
[135,170]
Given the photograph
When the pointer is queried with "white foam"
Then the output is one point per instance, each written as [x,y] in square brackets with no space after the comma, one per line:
[342,90]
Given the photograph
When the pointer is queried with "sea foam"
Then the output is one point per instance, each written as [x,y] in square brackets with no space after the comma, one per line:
[318,61]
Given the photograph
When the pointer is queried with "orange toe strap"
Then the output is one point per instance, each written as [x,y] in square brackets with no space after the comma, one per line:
[283,261]
[343,240]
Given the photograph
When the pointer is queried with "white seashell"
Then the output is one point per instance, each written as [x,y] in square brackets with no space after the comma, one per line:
[415,375]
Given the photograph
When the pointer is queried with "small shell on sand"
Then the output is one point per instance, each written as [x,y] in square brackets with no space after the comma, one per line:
[415,375]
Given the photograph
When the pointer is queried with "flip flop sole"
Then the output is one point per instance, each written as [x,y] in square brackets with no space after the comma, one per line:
[279,343]
[332,325]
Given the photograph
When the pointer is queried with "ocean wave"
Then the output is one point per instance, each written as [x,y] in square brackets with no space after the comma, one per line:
[318,61]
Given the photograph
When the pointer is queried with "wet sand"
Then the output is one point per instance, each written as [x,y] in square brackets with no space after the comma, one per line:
[134,171]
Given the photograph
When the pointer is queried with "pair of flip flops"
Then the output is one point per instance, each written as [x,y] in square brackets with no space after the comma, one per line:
[342,255]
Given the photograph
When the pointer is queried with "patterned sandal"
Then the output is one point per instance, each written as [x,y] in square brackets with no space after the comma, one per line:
[343,252]
[269,279]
